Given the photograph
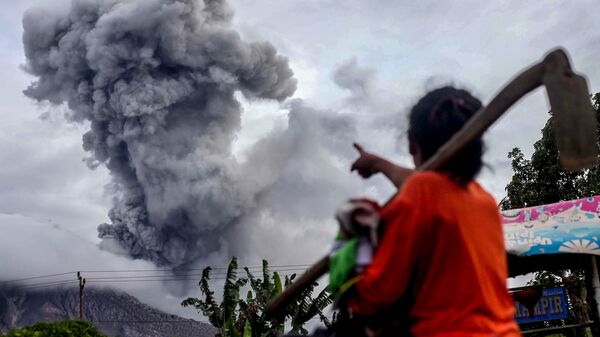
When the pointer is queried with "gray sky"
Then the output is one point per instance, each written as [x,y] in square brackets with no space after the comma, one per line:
[51,203]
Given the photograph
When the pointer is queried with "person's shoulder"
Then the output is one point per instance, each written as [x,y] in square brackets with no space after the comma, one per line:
[483,194]
[417,192]
[436,185]
[424,185]
[420,180]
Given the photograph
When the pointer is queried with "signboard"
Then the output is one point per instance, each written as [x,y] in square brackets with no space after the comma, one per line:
[564,227]
[552,305]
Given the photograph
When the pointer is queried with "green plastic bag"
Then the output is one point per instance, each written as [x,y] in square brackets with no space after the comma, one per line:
[341,264]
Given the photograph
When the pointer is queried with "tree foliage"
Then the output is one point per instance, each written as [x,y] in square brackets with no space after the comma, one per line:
[306,307]
[245,317]
[541,180]
[57,329]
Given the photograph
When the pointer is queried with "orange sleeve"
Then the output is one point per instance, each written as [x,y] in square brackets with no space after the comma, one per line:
[386,279]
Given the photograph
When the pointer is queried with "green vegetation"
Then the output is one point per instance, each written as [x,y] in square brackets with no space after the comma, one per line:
[245,317]
[541,180]
[57,329]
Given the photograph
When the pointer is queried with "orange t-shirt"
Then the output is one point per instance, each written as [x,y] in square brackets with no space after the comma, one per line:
[443,247]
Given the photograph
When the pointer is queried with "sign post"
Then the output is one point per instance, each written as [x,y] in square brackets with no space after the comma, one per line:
[552,305]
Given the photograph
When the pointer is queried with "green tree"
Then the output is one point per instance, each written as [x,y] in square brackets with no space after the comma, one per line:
[246,317]
[305,307]
[541,180]
[57,329]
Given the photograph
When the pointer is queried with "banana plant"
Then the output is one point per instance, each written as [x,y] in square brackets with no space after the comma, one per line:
[305,307]
[245,317]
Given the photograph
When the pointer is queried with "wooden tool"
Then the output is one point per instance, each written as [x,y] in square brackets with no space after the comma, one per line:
[574,127]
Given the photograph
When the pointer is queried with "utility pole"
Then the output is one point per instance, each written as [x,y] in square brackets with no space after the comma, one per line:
[81,286]
[592,280]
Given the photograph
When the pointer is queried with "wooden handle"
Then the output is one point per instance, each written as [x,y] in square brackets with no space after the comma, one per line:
[520,86]
[516,89]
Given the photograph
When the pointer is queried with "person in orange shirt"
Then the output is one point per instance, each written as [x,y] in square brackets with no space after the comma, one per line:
[442,256]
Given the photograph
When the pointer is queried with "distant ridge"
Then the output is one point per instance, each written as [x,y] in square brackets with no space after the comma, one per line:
[114,312]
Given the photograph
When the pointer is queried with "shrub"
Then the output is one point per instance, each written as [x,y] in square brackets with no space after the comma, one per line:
[57,329]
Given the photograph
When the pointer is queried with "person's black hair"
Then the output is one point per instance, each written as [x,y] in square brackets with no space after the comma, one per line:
[435,118]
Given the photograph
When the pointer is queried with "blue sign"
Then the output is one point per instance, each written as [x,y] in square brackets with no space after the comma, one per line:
[552,305]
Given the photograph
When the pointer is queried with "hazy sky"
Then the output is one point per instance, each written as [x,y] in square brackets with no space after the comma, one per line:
[386,54]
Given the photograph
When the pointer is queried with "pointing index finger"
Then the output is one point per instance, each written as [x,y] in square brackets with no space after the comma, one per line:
[358,148]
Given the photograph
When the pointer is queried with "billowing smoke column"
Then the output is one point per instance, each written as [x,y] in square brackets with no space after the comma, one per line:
[156,80]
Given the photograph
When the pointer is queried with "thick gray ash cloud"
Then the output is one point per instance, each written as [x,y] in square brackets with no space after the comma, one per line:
[156,80]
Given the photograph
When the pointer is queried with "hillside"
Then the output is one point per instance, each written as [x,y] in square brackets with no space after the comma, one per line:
[113,312]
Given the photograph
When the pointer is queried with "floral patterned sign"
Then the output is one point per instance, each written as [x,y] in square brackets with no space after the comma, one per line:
[565,227]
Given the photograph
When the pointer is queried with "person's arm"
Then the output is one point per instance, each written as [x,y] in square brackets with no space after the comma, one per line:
[369,164]
[387,278]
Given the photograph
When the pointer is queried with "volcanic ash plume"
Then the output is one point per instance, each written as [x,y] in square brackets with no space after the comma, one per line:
[156,80]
